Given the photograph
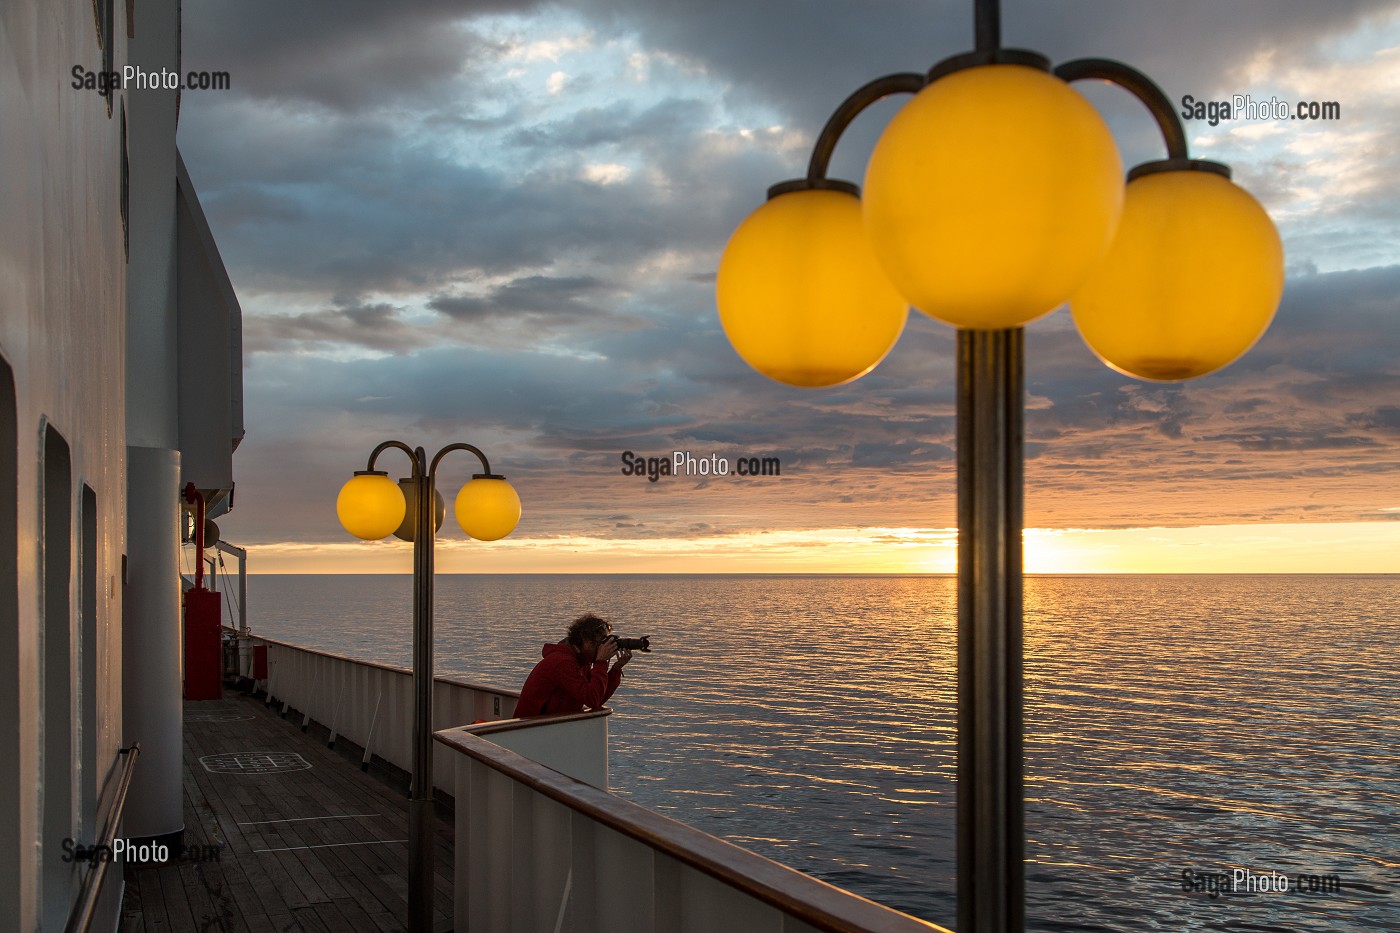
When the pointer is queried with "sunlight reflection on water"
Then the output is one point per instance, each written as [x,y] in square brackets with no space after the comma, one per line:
[1172,722]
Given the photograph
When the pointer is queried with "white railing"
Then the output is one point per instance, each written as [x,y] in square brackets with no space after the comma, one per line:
[574,744]
[372,704]
[566,855]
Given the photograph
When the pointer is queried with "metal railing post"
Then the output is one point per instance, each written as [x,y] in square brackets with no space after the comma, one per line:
[335,712]
[311,697]
[373,721]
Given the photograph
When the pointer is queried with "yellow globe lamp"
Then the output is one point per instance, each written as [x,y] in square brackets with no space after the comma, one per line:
[1192,279]
[801,296]
[487,508]
[993,193]
[370,505]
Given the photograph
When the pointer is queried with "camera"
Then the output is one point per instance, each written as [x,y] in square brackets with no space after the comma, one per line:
[633,644]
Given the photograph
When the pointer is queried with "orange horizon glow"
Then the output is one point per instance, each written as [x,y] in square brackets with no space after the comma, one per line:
[1370,547]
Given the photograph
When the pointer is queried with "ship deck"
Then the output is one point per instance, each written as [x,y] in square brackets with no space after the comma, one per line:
[282,833]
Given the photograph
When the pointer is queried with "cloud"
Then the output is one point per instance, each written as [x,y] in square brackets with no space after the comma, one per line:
[354,55]
[378,327]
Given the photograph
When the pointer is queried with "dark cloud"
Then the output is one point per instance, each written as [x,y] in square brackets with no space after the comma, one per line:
[374,326]
[1384,419]
[536,294]
[806,61]
[1283,439]
[341,56]
[335,207]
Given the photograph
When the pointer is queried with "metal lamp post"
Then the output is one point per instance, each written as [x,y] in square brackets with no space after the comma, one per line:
[371,506]
[992,198]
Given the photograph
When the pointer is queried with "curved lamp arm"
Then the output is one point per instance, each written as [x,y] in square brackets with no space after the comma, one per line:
[412,455]
[851,107]
[1140,86]
[485,466]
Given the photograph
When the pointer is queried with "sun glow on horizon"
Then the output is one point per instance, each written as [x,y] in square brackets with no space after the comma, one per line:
[1372,547]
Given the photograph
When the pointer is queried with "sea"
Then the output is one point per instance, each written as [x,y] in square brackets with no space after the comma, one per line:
[1179,729]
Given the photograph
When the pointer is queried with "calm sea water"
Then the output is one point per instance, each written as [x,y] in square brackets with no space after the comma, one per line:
[1208,723]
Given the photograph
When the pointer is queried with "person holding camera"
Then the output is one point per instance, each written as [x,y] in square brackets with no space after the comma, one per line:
[574,673]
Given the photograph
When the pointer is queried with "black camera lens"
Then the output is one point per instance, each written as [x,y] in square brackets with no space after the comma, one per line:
[634,644]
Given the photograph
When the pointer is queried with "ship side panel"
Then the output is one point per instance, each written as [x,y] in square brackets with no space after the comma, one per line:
[62,307]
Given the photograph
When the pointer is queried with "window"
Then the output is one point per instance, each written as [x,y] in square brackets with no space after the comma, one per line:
[103,11]
[56,676]
[126,191]
[87,662]
[10,778]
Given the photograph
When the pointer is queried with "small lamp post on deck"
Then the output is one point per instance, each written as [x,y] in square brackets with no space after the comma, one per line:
[372,506]
[992,198]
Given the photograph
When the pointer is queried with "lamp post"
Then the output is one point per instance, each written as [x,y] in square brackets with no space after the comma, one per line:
[992,198]
[372,506]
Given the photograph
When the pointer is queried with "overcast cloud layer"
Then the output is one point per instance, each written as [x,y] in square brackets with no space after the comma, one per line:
[499,223]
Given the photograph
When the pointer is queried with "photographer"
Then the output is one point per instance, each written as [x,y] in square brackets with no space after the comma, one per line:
[574,673]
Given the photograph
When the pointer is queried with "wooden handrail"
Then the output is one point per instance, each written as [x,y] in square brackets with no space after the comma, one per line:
[529,722]
[81,918]
[823,906]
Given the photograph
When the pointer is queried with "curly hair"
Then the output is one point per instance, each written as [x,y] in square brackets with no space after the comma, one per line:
[589,626]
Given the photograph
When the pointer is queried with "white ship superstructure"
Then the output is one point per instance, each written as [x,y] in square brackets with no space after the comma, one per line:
[120,382]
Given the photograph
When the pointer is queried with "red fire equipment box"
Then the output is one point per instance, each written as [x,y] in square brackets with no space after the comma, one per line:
[203,646]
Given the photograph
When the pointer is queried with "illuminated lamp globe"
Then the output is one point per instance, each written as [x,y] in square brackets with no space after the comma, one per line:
[487,507]
[370,505]
[801,296]
[992,195]
[1192,279]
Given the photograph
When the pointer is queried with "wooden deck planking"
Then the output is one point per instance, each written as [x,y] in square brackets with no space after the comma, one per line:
[335,873]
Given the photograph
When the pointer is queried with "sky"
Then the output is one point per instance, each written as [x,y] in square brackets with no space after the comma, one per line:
[499,222]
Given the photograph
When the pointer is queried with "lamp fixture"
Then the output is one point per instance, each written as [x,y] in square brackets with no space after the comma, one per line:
[992,198]
[372,506]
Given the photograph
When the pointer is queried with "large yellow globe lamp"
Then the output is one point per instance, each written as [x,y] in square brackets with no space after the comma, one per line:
[370,505]
[1191,281]
[487,508]
[993,193]
[801,296]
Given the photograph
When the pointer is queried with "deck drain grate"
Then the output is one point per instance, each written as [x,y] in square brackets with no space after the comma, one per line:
[217,717]
[254,763]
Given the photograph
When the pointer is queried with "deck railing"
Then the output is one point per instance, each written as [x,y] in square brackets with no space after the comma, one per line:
[574,744]
[372,704]
[567,855]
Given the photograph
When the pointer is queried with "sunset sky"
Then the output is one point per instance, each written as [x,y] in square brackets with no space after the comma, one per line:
[498,222]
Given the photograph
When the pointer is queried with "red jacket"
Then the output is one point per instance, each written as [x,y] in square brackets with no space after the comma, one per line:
[561,683]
